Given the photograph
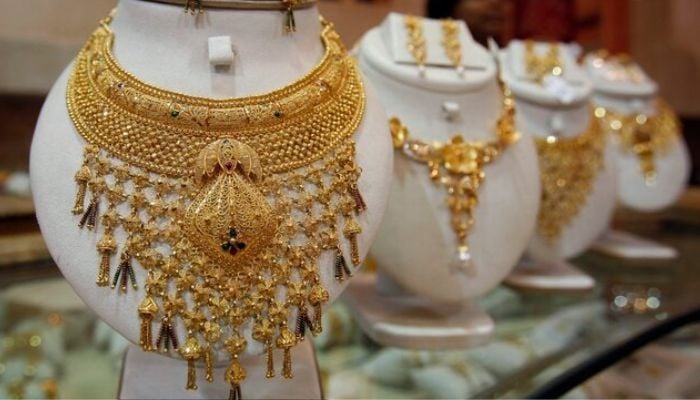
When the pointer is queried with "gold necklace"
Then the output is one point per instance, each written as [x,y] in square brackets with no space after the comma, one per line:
[568,168]
[227,204]
[538,66]
[643,135]
[458,166]
[416,41]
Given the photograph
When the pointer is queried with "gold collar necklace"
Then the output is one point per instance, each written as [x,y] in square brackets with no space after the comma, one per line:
[458,165]
[568,168]
[227,204]
[646,136]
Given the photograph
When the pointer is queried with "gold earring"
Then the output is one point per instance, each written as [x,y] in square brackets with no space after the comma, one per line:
[194,6]
[416,41]
[540,66]
[290,24]
[451,44]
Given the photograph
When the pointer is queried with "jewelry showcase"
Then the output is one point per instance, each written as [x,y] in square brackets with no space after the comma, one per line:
[228,204]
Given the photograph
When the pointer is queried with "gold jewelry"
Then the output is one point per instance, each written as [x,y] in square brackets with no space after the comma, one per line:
[227,204]
[451,44]
[194,6]
[279,5]
[568,167]
[416,41]
[458,165]
[644,135]
[538,66]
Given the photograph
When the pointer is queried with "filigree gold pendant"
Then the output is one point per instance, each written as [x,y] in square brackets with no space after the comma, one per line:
[229,218]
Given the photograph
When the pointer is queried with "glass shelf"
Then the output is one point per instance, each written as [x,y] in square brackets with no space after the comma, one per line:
[51,341]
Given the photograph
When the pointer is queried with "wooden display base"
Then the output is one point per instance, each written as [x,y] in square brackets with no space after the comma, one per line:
[404,320]
[557,276]
[153,376]
[626,245]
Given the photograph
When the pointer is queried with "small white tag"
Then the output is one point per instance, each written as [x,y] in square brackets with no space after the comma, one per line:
[220,50]
[450,110]
[559,88]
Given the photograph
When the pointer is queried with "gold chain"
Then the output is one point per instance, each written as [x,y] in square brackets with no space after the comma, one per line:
[451,44]
[538,66]
[458,166]
[568,167]
[226,204]
[416,41]
[644,135]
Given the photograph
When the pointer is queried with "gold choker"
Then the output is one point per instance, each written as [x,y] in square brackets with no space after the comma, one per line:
[568,168]
[458,165]
[646,136]
[227,204]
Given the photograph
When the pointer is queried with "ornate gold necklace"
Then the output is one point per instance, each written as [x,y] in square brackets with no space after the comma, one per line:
[643,135]
[539,66]
[568,167]
[227,204]
[458,166]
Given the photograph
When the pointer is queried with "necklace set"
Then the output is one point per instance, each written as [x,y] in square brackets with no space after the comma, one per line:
[228,205]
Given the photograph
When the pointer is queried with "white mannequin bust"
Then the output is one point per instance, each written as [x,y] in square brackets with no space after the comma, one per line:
[166,47]
[540,113]
[672,165]
[416,244]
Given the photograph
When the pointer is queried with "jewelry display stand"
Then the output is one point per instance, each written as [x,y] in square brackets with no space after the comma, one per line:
[391,316]
[559,109]
[672,165]
[166,47]
[144,375]
[416,244]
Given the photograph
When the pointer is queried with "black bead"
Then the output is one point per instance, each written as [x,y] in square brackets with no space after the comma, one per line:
[240,245]
[233,232]
[226,246]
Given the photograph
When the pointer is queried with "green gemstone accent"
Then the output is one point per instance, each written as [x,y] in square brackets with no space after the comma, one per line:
[174,113]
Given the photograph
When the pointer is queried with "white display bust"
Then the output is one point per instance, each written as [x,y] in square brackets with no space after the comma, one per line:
[168,48]
[542,112]
[416,244]
[632,97]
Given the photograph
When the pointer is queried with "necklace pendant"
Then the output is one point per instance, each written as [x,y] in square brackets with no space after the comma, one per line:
[462,261]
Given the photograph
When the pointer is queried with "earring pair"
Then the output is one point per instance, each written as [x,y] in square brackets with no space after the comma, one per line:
[451,44]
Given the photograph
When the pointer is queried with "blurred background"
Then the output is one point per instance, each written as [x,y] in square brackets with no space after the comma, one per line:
[52,346]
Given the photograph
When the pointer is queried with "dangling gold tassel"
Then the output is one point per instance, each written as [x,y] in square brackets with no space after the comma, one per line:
[106,247]
[303,322]
[89,219]
[235,374]
[360,204]
[317,297]
[126,271]
[341,266]
[270,361]
[191,352]
[285,341]
[166,336]
[147,309]
[81,179]
[351,230]
[209,364]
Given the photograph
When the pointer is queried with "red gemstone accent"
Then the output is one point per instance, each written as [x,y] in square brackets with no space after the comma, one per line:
[229,165]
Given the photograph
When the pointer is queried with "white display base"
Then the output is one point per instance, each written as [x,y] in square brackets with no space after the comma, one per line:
[152,376]
[548,276]
[404,320]
[626,245]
